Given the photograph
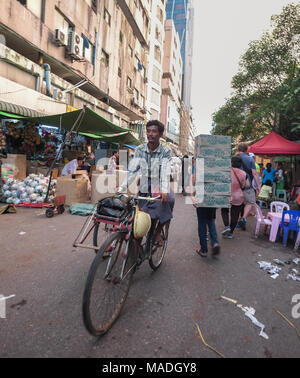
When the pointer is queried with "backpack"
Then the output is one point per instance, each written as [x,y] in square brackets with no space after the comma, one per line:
[248,171]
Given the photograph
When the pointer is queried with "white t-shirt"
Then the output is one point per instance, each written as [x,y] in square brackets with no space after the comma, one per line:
[70,168]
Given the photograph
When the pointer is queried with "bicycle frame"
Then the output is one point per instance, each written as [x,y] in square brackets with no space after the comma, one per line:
[115,223]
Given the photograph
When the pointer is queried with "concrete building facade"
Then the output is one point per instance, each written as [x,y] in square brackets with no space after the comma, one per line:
[171,83]
[65,54]
[157,13]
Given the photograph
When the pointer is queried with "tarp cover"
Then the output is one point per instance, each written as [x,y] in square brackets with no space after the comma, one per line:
[274,144]
[83,209]
[91,123]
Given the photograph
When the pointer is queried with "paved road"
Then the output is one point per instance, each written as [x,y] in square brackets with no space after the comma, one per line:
[47,276]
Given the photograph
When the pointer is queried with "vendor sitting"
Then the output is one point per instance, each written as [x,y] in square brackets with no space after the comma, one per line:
[71,167]
[266,191]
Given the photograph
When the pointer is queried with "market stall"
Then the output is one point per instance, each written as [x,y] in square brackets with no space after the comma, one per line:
[273,146]
[52,141]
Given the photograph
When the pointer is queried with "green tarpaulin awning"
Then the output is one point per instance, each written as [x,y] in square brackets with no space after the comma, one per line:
[113,138]
[91,124]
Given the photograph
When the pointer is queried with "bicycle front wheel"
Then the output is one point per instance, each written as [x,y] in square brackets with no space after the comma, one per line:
[158,251]
[108,284]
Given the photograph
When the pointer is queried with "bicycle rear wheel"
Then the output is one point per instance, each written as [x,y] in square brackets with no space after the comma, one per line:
[108,284]
[158,252]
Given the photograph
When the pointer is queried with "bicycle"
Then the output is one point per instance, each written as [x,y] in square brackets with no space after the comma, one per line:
[116,261]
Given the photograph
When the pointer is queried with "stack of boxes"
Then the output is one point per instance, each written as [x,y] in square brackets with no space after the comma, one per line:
[213,171]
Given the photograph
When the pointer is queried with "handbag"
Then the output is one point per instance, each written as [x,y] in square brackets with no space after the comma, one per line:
[236,176]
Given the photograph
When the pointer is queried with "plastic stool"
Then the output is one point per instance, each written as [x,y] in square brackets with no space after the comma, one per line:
[262,204]
[281,195]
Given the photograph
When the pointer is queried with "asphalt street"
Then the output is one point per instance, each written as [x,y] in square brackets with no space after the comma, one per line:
[164,309]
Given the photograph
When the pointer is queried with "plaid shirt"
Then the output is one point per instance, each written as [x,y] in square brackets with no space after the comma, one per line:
[154,169]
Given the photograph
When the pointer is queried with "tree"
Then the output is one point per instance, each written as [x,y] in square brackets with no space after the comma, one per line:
[266,86]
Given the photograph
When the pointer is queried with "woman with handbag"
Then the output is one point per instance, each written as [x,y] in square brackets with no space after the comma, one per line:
[239,182]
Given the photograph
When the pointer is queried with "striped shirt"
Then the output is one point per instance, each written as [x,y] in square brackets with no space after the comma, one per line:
[154,168]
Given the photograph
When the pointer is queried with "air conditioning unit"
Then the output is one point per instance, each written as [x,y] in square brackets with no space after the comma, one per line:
[60,37]
[75,46]
[58,95]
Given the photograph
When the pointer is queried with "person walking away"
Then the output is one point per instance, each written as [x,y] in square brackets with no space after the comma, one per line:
[184,174]
[206,219]
[250,193]
[239,182]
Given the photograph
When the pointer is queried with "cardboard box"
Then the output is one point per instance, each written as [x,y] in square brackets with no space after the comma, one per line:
[75,189]
[42,170]
[19,161]
[105,185]
[213,182]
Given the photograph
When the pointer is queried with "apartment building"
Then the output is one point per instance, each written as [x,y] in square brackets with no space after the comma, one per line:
[157,11]
[60,55]
[171,83]
[182,13]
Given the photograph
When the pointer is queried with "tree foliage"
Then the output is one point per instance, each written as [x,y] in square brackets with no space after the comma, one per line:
[266,88]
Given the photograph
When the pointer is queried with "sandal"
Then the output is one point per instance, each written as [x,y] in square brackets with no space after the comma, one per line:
[216,250]
[201,253]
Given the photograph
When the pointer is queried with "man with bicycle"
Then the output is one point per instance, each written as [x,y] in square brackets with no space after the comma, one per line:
[152,161]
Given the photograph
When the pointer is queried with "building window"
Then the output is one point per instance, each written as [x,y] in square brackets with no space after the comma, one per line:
[154,114]
[61,23]
[142,102]
[180,16]
[129,82]
[105,58]
[156,75]
[155,97]
[179,6]
[159,14]
[88,50]
[136,95]
[157,53]
[119,72]
[130,51]
[95,5]
[107,16]
[158,34]
[121,37]
[35,6]
[137,64]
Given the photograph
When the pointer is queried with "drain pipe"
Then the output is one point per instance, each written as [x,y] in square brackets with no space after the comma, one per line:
[47,69]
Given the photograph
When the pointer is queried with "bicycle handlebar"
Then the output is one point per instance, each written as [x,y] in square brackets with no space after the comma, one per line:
[142,198]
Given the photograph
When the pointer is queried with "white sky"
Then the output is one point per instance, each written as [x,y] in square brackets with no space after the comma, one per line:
[222,32]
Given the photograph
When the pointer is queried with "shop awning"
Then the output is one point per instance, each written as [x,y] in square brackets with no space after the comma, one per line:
[91,124]
[124,137]
[9,110]
[274,144]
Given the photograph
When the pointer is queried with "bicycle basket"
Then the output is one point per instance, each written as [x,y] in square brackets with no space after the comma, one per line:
[111,207]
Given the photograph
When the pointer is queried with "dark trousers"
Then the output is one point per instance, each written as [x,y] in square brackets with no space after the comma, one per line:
[203,224]
[234,216]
